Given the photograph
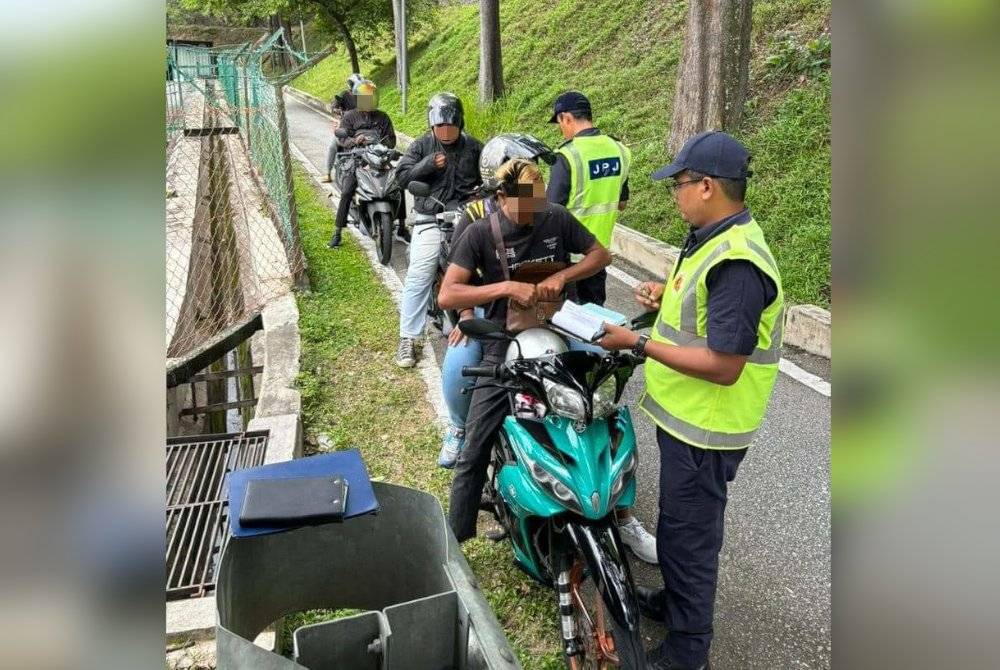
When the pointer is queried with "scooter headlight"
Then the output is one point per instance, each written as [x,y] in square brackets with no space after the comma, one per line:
[564,401]
[623,477]
[604,398]
[553,486]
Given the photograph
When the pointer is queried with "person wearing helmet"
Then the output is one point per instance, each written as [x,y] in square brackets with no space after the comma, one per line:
[532,230]
[342,103]
[364,125]
[447,159]
[461,351]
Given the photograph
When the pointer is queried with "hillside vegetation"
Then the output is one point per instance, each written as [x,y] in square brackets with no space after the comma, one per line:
[624,54]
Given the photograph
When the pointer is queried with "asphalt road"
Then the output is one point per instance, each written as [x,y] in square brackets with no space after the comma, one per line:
[773,603]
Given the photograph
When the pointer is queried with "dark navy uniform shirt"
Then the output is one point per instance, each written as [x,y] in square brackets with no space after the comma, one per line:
[738,292]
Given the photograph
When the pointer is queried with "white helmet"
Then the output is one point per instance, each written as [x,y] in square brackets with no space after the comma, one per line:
[536,342]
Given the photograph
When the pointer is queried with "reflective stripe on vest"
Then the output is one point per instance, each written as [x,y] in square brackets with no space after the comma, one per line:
[699,412]
[691,433]
[760,356]
[594,200]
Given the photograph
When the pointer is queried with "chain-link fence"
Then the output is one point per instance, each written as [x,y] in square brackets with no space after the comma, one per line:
[231,226]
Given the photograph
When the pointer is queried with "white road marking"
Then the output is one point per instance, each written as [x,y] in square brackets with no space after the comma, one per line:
[623,276]
[817,384]
[427,363]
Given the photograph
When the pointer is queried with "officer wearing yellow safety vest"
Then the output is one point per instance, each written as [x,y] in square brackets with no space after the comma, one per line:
[589,178]
[712,361]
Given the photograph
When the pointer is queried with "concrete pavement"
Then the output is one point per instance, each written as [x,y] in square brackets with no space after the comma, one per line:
[773,605]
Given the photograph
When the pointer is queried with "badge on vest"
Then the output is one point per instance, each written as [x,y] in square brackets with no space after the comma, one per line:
[605,167]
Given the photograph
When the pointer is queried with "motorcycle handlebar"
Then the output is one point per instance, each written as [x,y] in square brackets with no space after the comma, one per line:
[480,370]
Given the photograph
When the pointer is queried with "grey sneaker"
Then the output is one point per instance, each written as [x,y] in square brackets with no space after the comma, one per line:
[406,354]
[638,539]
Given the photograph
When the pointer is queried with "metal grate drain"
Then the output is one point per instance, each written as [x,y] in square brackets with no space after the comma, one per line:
[197,512]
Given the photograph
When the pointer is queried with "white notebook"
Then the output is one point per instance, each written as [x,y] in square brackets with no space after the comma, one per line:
[585,321]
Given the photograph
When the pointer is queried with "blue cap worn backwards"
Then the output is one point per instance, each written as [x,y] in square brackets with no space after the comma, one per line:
[713,153]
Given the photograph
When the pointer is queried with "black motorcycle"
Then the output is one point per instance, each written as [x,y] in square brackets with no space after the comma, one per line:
[376,199]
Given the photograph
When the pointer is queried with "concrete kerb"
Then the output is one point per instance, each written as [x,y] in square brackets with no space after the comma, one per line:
[807,327]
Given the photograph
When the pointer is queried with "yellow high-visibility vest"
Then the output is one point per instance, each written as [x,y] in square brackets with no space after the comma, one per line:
[599,166]
[699,412]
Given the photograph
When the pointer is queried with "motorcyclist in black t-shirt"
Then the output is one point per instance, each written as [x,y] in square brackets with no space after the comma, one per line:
[533,230]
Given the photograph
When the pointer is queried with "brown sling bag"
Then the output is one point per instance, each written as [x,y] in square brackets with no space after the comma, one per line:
[519,317]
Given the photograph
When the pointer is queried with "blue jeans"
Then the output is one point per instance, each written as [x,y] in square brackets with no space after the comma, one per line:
[456,357]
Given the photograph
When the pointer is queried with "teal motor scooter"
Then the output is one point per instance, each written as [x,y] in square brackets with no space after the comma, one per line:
[564,461]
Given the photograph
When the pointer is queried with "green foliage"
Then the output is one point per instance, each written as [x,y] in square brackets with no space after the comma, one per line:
[624,54]
[793,58]
[369,21]
[355,396]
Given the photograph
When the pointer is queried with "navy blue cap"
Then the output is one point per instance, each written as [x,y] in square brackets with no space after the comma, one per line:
[570,101]
[712,153]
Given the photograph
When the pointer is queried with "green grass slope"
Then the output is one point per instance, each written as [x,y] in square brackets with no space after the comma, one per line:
[624,54]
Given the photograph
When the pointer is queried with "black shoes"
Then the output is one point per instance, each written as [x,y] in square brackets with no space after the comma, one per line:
[651,603]
[335,241]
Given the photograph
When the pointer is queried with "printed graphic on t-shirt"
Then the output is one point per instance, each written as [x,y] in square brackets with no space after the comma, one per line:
[605,167]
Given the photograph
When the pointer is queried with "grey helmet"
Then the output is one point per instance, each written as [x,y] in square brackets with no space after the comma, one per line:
[445,109]
[536,342]
[504,147]
[353,80]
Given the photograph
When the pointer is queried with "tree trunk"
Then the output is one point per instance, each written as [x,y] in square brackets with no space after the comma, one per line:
[338,21]
[712,81]
[282,60]
[490,66]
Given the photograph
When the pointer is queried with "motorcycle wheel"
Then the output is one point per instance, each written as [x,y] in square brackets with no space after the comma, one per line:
[605,644]
[382,223]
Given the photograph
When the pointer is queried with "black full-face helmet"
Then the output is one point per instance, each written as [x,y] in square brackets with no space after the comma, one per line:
[504,147]
[445,108]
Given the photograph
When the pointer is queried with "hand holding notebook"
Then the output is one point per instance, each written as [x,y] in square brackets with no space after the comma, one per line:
[586,322]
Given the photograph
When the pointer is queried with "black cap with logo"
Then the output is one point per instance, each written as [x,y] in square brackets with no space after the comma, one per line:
[713,153]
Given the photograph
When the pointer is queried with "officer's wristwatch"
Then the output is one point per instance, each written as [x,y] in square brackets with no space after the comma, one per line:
[639,348]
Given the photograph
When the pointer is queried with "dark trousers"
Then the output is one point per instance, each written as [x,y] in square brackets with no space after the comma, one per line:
[694,487]
[348,184]
[331,157]
[592,289]
[487,410]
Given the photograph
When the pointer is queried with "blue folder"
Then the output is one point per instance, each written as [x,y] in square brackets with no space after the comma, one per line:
[348,464]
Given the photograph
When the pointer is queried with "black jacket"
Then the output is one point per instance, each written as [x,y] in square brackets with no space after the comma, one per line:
[454,184]
[376,121]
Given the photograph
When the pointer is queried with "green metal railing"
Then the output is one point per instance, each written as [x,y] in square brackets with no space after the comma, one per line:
[243,84]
